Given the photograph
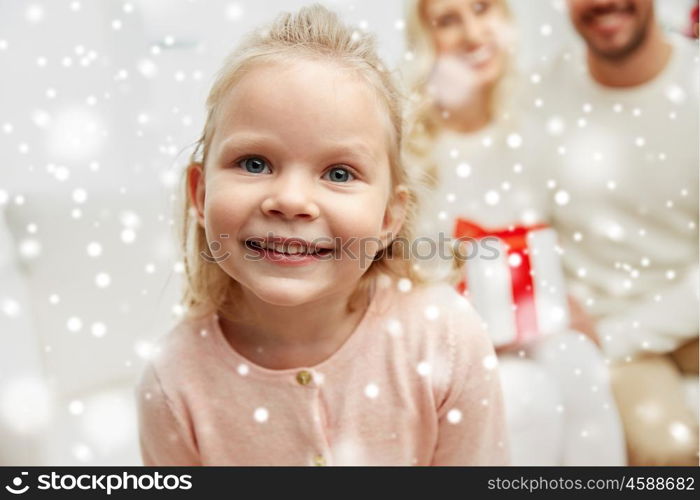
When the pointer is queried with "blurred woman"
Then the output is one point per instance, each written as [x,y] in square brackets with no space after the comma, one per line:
[471,138]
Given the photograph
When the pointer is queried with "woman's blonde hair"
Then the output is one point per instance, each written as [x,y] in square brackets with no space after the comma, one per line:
[424,125]
[312,33]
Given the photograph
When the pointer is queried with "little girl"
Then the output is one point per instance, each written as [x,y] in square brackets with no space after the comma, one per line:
[308,340]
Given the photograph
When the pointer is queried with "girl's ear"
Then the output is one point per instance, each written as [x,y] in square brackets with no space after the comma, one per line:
[195,189]
[394,216]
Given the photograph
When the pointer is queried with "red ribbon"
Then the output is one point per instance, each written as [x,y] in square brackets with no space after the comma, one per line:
[515,239]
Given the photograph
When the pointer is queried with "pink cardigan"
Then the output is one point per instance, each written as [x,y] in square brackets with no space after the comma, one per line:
[415,384]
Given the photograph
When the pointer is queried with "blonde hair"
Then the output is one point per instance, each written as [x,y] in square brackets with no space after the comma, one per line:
[424,126]
[312,33]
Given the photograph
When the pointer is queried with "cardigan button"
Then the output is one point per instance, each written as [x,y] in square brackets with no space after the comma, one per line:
[304,377]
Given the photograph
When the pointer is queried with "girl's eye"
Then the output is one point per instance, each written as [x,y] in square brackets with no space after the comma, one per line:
[340,174]
[254,165]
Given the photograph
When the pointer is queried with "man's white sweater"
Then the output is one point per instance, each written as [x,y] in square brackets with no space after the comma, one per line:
[625,163]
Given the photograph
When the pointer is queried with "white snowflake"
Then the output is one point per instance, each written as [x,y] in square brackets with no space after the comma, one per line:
[514,141]
[76,407]
[10,307]
[371,390]
[34,13]
[492,197]
[454,416]
[98,329]
[432,312]
[490,362]
[561,197]
[463,170]
[405,285]
[423,368]
[103,280]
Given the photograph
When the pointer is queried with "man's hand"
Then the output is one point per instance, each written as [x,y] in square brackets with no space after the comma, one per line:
[582,322]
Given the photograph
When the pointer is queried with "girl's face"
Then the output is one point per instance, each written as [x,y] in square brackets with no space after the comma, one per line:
[298,159]
[471,39]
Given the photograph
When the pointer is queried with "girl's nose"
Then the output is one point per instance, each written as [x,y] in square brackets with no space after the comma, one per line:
[291,198]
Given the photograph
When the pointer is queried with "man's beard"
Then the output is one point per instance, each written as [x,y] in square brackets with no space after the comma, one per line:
[621,53]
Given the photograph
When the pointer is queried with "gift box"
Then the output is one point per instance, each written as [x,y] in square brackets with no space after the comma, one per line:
[514,279]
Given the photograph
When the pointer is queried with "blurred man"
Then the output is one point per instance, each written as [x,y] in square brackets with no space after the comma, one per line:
[623,114]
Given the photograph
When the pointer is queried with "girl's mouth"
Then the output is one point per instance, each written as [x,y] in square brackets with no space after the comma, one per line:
[291,252]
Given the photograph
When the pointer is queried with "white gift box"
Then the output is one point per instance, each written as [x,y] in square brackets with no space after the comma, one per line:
[514,279]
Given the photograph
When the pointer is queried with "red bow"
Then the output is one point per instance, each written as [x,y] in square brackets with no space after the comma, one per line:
[515,239]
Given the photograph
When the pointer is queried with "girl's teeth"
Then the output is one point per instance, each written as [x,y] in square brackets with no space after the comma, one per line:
[291,249]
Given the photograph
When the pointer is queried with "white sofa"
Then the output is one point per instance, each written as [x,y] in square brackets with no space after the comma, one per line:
[72,348]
